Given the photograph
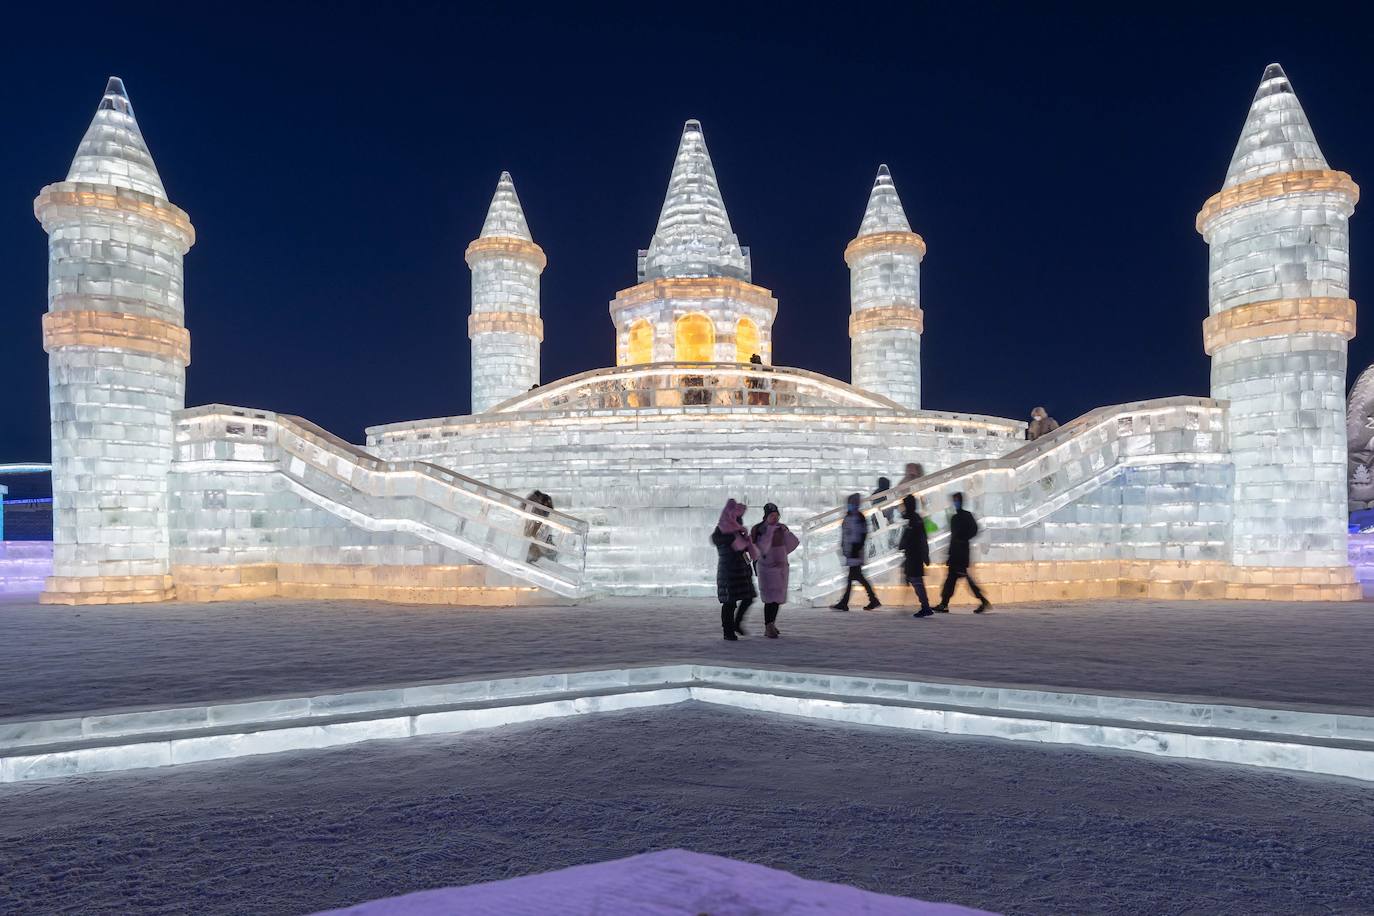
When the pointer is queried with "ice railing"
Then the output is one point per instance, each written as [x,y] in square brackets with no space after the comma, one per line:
[1024,486]
[507,532]
[694,384]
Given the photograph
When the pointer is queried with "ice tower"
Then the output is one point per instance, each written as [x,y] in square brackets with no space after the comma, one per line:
[1280,316]
[118,350]
[694,301]
[885,318]
[504,327]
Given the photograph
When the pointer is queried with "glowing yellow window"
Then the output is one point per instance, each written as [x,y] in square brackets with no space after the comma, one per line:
[746,340]
[641,348]
[696,339]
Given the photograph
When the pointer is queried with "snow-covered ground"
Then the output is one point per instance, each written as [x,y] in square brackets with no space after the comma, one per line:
[60,659]
[1005,827]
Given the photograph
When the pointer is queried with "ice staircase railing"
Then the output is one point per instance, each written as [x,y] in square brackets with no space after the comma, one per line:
[1024,486]
[507,532]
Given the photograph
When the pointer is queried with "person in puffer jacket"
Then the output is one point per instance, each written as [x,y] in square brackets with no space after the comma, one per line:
[735,552]
[853,537]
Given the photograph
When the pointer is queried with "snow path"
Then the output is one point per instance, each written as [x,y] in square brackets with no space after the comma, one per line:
[59,659]
[1009,828]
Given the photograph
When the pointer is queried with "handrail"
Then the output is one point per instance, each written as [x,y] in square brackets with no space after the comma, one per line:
[491,525]
[1098,432]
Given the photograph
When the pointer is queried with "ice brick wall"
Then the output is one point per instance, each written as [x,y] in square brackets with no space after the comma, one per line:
[118,352]
[652,482]
[504,326]
[1178,511]
[885,298]
[1280,316]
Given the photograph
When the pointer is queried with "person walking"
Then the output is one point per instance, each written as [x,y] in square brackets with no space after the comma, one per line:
[915,553]
[774,541]
[734,578]
[962,530]
[1041,424]
[853,537]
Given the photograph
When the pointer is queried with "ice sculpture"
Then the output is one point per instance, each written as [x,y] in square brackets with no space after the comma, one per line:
[504,327]
[118,352]
[1280,316]
[885,298]
[1359,432]
[1243,495]
[695,292]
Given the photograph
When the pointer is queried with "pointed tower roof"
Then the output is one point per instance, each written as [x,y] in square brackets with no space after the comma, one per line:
[694,237]
[113,151]
[884,212]
[1277,136]
[505,216]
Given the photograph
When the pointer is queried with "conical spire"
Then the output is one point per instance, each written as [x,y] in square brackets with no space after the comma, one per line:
[113,151]
[694,237]
[1277,136]
[505,216]
[884,212]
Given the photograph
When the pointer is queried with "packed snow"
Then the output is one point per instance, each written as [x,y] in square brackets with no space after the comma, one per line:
[61,659]
[1005,827]
[666,882]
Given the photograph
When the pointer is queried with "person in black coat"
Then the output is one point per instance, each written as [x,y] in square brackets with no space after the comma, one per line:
[916,553]
[734,572]
[962,530]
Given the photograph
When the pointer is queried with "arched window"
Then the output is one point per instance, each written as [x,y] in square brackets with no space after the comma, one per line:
[746,340]
[695,339]
[641,346]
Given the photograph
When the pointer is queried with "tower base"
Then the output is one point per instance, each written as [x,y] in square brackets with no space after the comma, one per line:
[72,590]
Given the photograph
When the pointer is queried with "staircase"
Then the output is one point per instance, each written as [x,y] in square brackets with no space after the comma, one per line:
[1026,486]
[491,526]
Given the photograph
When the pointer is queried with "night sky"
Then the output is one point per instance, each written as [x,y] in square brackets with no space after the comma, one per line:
[337,161]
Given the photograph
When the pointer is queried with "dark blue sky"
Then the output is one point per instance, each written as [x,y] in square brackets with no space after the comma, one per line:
[336,160]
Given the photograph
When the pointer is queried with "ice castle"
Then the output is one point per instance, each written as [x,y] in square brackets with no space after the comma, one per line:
[1239,495]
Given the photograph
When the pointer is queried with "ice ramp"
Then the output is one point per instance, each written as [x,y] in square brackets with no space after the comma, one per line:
[1029,485]
[527,542]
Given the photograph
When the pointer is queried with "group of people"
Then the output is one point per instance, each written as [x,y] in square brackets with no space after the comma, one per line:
[764,549]
[740,551]
[915,547]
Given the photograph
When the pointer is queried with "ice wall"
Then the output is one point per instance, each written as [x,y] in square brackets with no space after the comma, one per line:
[652,481]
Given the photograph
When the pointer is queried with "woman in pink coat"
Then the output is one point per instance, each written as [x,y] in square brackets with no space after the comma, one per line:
[774,542]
